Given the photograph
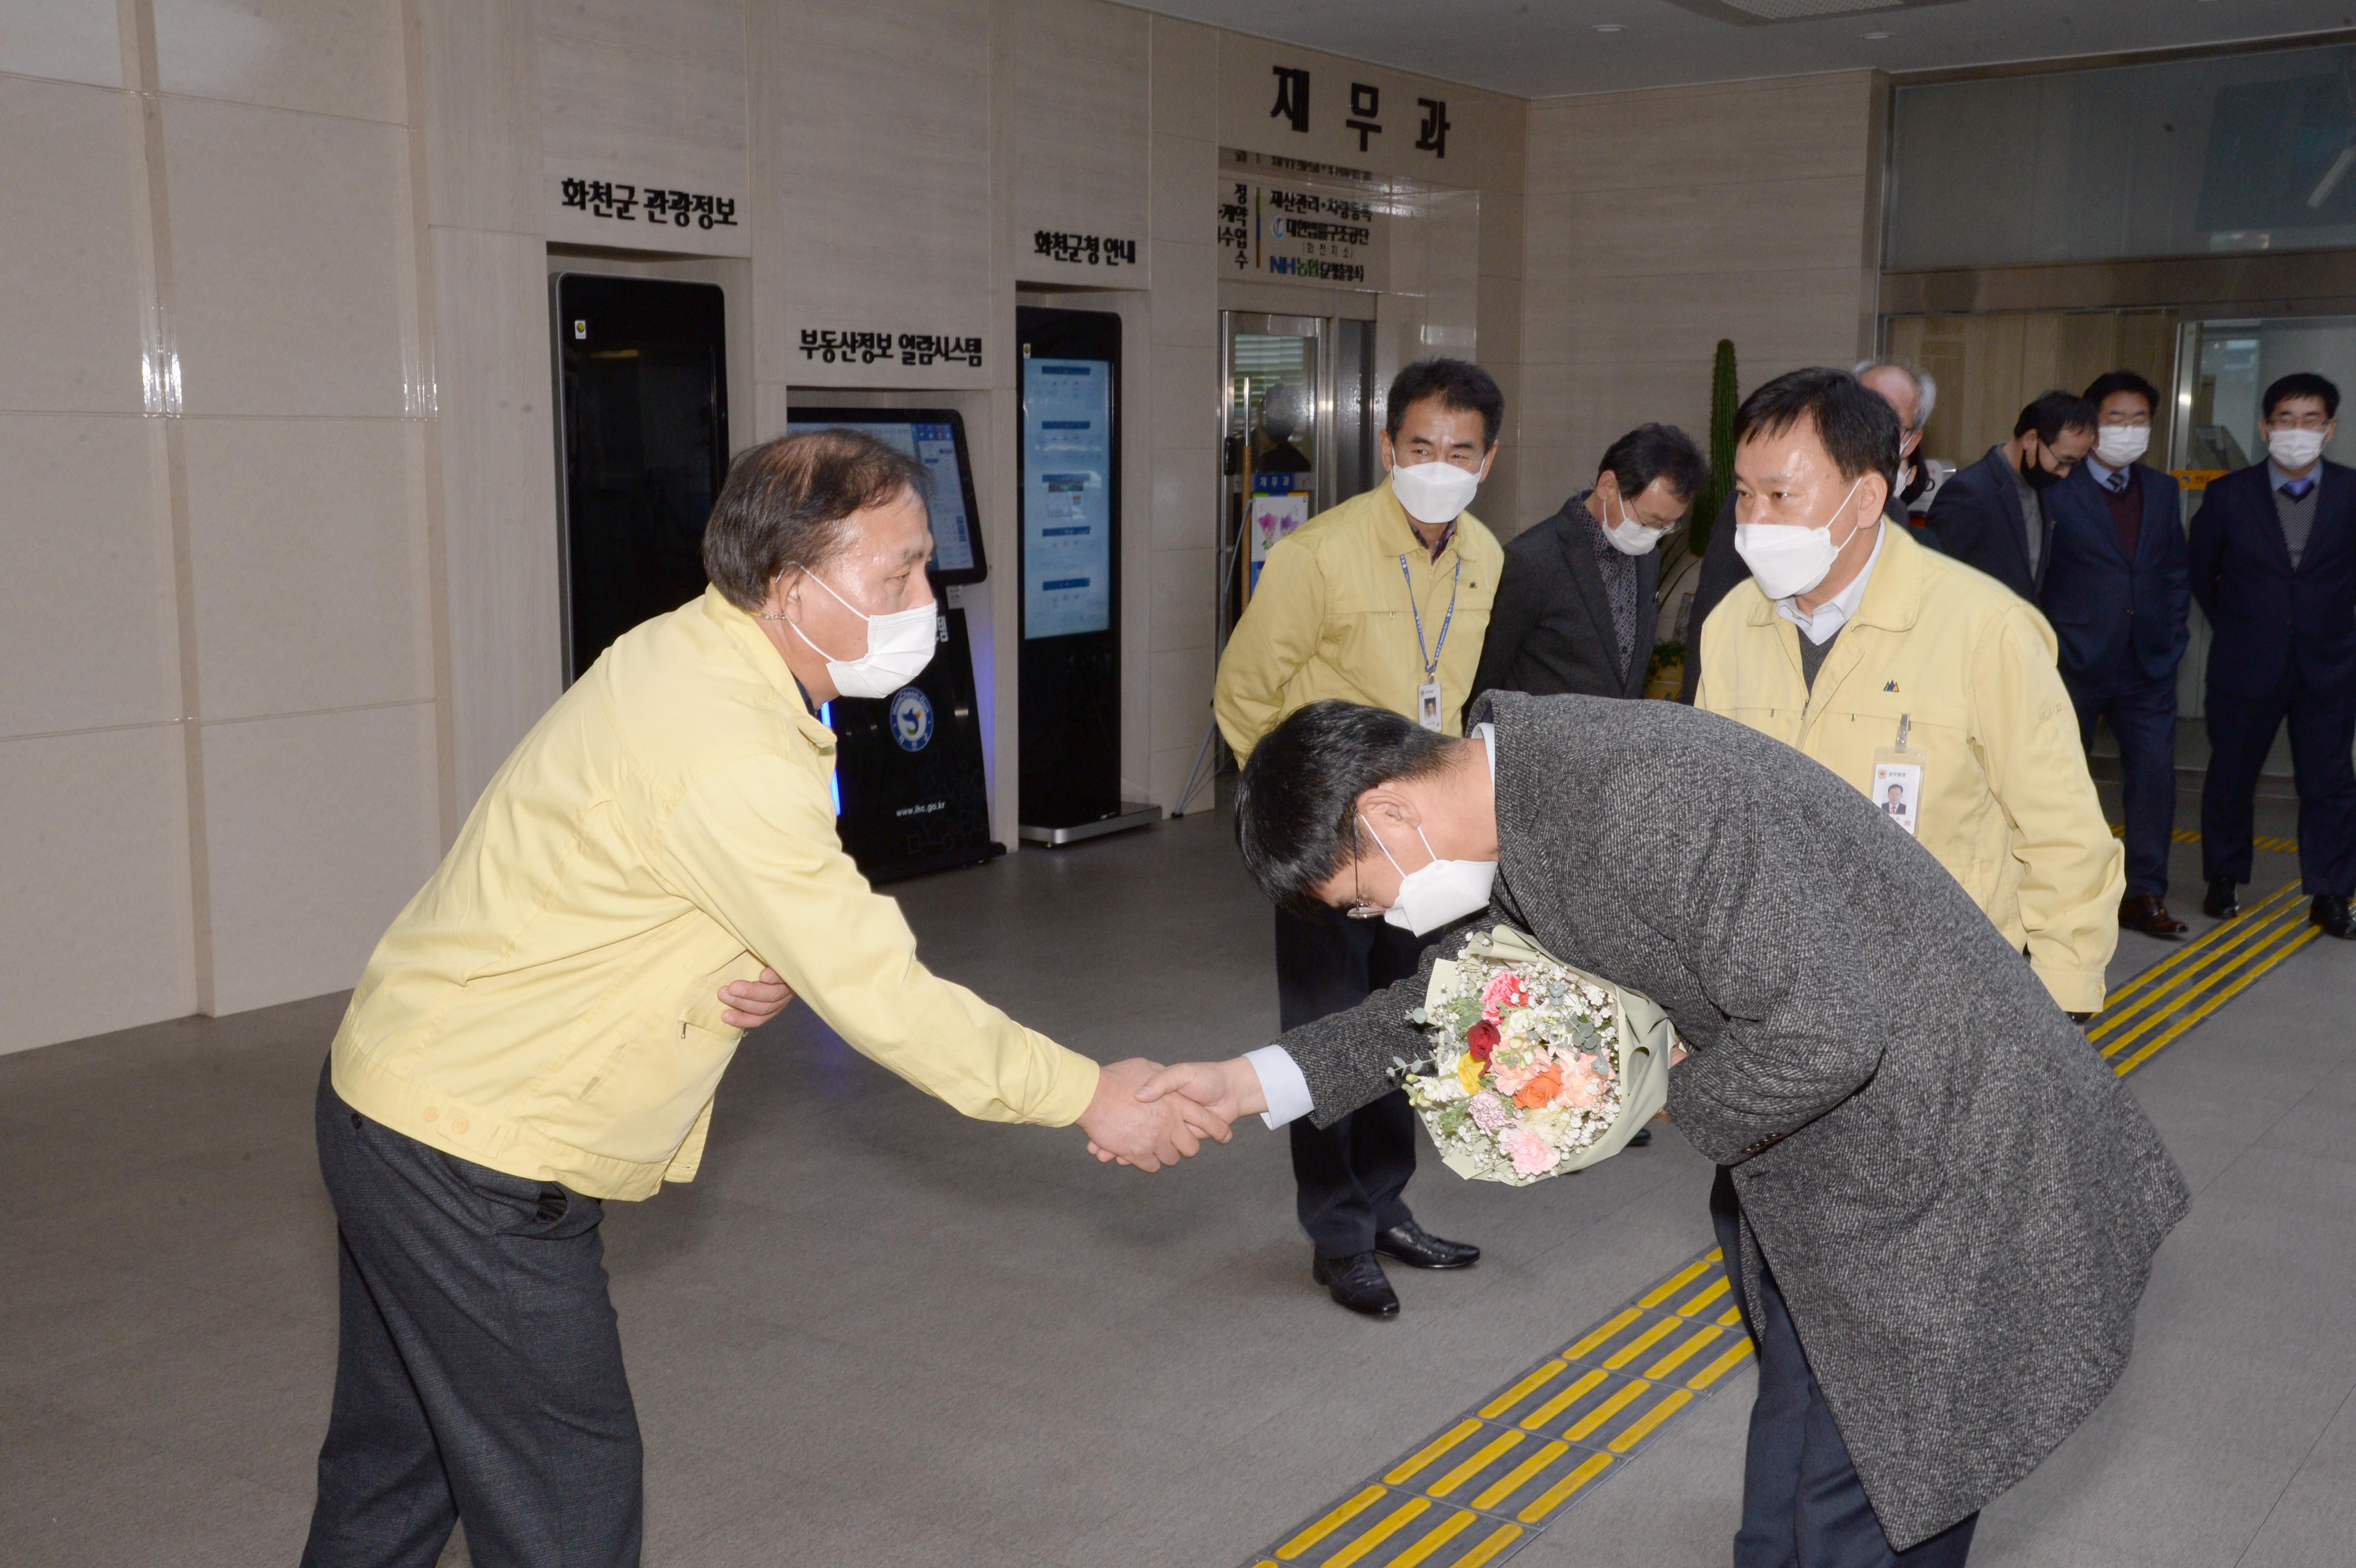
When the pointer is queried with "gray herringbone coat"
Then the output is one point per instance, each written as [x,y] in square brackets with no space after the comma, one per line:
[1959,1198]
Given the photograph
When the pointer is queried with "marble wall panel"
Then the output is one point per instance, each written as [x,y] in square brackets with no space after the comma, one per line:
[498,494]
[66,40]
[644,97]
[291,242]
[71,248]
[1081,111]
[477,87]
[308,557]
[88,632]
[95,930]
[319,829]
[879,221]
[329,57]
[1185,80]
[1734,133]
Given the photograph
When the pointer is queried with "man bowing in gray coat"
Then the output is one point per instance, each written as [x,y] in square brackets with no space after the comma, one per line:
[1943,1202]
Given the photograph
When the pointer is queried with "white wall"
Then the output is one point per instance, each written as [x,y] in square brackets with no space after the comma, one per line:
[1661,221]
[282,526]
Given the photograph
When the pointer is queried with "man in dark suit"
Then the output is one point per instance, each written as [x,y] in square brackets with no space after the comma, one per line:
[2115,592]
[1992,514]
[1938,1298]
[2274,567]
[1911,394]
[1576,608]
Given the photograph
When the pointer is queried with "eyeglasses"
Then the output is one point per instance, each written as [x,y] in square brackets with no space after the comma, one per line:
[2297,422]
[1359,908]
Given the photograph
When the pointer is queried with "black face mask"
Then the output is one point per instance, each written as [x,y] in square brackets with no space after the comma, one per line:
[2040,478]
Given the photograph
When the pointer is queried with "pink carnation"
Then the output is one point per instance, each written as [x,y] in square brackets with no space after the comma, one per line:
[1503,992]
[1531,1154]
[1509,1079]
[1489,1112]
[1582,1086]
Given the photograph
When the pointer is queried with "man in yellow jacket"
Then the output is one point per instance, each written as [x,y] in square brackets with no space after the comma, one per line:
[1929,687]
[1382,600]
[543,1028]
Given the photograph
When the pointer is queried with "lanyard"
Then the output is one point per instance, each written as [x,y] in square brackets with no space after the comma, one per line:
[1430,656]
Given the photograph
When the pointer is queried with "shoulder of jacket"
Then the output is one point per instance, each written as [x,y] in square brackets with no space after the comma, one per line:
[1478,540]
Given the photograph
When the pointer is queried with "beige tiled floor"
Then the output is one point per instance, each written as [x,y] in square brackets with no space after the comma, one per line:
[877,1333]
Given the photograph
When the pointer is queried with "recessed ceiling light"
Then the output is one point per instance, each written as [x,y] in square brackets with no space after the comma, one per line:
[1607,27]
[1876,36]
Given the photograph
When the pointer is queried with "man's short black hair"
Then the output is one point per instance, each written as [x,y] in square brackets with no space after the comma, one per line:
[2110,382]
[1458,384]
[1653,452]
[2054,412]
[1296,803]
[1857,424]
[2301,384]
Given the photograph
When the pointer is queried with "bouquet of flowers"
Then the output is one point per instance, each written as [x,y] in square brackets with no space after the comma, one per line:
[1537,1067]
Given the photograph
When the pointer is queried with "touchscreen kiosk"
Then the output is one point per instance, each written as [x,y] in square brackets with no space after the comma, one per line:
[913,794]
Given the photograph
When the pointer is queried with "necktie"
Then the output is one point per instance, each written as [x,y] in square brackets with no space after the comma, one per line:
[2298,488]
[2116,483]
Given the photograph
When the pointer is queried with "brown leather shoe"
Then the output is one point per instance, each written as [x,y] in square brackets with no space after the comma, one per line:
[2147,912]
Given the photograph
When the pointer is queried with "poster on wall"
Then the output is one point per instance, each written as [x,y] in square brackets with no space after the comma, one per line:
[1301,234]
[1066,505]
[1273,518]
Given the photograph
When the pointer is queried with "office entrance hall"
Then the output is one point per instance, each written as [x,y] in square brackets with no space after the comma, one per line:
[874,1331]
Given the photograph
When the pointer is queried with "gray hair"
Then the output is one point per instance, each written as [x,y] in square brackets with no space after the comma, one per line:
[1926,390]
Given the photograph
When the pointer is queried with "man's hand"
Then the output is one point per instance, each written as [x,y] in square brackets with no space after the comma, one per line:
[1229,1090]
[749,1004]
[1123,1125]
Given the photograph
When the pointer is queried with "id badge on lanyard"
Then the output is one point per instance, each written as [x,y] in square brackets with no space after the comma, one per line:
[1428,710]
[1897,790]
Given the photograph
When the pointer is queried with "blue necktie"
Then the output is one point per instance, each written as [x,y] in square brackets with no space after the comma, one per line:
[2298,488]
[2116,483]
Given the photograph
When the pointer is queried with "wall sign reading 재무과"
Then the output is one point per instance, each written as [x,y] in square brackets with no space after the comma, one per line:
[830,346]
[1292,106]
[634,204]
[1090,249]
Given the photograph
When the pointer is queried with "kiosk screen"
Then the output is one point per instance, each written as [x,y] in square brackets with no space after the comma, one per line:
[936,438]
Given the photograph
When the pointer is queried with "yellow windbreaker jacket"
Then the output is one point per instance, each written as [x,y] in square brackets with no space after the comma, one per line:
[548,1003]
[1331,618]
[2007,805]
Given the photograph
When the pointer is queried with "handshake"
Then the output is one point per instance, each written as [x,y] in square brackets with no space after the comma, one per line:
[1143,1113]
[1150,1116]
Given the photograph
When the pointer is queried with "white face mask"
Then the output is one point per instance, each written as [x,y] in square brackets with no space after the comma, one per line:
[1436,894]
[1630,537]
[2119,444]
[2294,448]
[1434,493]
[1787,559]
[899,646]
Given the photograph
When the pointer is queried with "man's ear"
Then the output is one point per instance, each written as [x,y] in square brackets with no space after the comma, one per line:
[1385,804]
[1383,441]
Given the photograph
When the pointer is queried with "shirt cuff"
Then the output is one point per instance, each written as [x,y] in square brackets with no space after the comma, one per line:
[1280,1084]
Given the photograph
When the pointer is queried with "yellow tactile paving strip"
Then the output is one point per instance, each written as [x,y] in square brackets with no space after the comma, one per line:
[1483,1486]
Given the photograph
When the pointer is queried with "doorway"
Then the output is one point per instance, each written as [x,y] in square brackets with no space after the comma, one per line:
[642,370]
[1299,415]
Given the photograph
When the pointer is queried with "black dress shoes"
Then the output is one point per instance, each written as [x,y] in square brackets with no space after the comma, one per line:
[2147,912]
[2220,903]
[1644,1138]
[1357,1282]
[2335,918]
[1417,1248]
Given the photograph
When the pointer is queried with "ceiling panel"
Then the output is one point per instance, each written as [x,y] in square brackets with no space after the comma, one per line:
[1538,49]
